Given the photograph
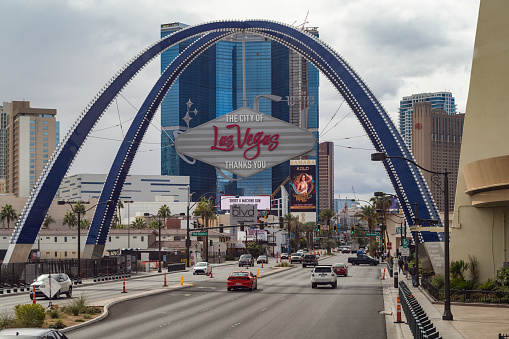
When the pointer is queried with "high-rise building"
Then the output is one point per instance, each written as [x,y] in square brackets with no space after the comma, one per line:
[326,176]
[439,100]
[213,85]
[3,156]
[30,139]
[436,145]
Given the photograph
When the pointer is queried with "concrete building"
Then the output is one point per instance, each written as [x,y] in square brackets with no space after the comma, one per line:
[326,175]
[479,227]
[439,100]
[436,146]
[30,137]
[139,188]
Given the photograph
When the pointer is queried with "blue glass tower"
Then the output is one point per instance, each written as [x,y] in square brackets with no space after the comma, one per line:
[213,83]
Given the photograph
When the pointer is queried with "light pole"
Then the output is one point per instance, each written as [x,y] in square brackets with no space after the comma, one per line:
[128,202]
[79,211]
[381,156]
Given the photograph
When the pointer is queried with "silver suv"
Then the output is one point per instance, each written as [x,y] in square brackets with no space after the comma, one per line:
[323,275]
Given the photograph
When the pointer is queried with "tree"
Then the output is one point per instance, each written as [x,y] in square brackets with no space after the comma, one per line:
[139,223]
[118,217]
[70,219]
[84,223]
[48,220]
[206,210]
[382,203]
[8,213]
[164,213]
[308,228]
[368,215]
[254,249]
[292,221]
[326,215]
[154,224]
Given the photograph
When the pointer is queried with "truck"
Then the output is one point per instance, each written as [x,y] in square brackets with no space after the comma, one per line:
[363,259]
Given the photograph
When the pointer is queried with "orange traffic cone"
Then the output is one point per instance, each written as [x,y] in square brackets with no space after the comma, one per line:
[165,281]
[398,311]
[211,272]
[33,295]
[123,291]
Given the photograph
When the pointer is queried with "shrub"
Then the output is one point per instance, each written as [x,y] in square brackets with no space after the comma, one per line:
[284,264]
[6,319]
[229,257]
[489,285]
[79,320]
[457,269]
[473,268]
[58,325]
[77,305]
[53,314]
[503,276]
[438,281]
[30,315]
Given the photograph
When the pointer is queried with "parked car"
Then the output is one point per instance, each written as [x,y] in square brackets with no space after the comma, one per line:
[323,275]
[345,249]
[262,259]
[246,260]
[40,283]
[340,269]
[309,260]
[284,256]
[32,333]
[295,257]
[243,280]
[202,268]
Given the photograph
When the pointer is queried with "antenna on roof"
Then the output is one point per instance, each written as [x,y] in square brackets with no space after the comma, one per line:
[304,23]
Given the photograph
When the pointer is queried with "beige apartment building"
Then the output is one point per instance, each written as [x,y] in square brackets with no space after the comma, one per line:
[326,175]
[30,140]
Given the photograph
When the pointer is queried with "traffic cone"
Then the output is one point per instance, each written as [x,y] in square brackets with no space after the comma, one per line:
[123,291]
[33,295]
[165,281]
[211,272]
[262,263]
[383,276]
[398,311]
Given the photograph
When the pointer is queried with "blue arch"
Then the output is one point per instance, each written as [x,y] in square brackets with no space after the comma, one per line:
[374,119]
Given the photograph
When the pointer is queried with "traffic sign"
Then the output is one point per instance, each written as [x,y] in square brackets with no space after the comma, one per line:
[371,234]
[389,245]
[405,252]
[404,243]
[199,233]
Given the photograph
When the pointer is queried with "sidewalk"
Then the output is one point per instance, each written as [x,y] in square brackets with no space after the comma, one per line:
[470,320]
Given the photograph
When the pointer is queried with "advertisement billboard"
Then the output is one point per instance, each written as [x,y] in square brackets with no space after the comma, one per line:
[302,186]
[246,214]
[262,202]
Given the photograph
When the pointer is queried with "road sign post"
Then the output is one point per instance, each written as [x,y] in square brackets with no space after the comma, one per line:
[199,234]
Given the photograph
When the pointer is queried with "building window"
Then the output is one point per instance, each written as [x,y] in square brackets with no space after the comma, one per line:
[32,155]
[32,161]
[32,127]
[32,171]
[44,133]
[142,238]
[45,156]
[65,239]
[65,254]
[56,255]
[45,122]
[44,139]
[45,128]
[45,150]
[109,239]
[45,144]
[55,239]
[32,144]
[32,133]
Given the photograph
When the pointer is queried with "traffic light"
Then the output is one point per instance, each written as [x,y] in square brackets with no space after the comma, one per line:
[262,225]
[211,242]
[281,222]
[383,242]
[335,228]
[318,227]
[352,229]
[221,228]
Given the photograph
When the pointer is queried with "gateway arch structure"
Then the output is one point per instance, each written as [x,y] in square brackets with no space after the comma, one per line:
[405,177]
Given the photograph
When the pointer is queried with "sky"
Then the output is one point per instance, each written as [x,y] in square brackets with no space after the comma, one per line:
[59,54]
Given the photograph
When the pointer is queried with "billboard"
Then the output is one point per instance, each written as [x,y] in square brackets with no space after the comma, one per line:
[262,202]
[302,186]
[246,214]
[245,142]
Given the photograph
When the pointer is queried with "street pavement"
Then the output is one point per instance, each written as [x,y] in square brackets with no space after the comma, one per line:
[469,320]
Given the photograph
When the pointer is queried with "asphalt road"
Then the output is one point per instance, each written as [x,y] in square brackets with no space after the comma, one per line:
[284,306]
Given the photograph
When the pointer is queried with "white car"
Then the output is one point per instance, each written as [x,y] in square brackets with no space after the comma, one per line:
[40,284]
[202,268]
[323,275]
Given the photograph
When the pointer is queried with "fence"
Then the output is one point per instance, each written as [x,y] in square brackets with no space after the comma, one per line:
[419,323]
[466,296]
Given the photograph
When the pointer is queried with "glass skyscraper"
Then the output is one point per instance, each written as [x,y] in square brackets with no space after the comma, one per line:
[213,86]
[439,100]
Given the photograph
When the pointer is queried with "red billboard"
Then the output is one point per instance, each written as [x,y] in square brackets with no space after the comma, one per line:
[302,186]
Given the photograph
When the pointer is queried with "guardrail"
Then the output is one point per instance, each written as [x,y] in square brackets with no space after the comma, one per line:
[176,267]
[419,323]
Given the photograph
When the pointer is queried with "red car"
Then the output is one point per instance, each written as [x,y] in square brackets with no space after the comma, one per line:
[340,269]
[242,279]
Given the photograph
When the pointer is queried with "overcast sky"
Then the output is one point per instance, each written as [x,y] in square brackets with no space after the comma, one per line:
[58,54]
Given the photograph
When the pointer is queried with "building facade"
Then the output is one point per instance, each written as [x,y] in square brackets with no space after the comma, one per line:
[213,86]
[30,137]
[436,145]
[326,175]
[439,100]
[140,188]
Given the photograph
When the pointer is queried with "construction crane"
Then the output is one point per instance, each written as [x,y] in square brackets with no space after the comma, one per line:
[279,187]
[355,197]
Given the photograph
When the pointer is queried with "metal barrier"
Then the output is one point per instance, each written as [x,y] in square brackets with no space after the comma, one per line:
[176,267]
[503,336]
[420,325]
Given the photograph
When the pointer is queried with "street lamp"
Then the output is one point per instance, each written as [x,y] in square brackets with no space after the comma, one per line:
[79,211]
[128,202]
[381,156]
[159,242]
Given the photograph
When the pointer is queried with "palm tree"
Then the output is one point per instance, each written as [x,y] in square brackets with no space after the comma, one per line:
[48,220]
[308,228]
[70,219]
[120,205]
[382,203]
[154,224]
[163,213]
[326,215]
[139,223]
[84,223]
[292,221]
[369,215]
[206,210]
[8,213]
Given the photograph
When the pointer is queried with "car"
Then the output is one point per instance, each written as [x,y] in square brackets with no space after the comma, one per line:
[309,260]
[295,257]
[363,259]
[202,268]
[323,275]
[345,249]
[242,280]
[262,259]
[340,269]
[246,260]
[32,333]
[301,252]
[284,256]
[40,283]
